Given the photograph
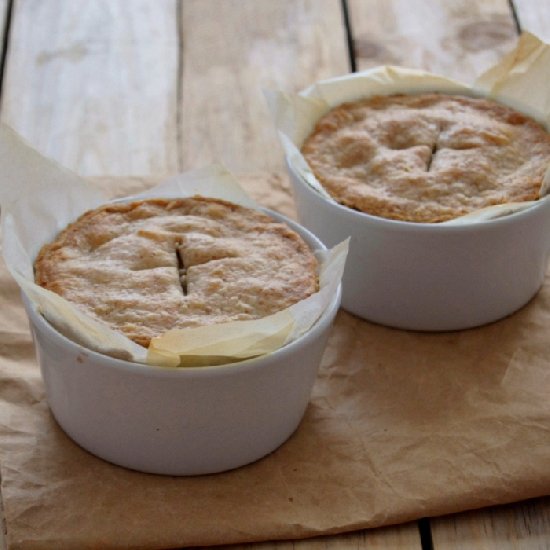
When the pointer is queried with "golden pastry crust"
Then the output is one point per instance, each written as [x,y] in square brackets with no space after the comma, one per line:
[149,266]
[428,157]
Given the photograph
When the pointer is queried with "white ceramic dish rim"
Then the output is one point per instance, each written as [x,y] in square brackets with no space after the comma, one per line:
[209,370]
[420,227]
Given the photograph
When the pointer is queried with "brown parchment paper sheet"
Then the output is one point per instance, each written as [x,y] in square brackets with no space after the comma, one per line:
[401,425]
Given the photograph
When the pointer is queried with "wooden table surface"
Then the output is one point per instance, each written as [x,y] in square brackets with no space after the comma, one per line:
[151,88]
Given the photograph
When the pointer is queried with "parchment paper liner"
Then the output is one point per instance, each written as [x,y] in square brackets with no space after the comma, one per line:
[39,198]
[518,80]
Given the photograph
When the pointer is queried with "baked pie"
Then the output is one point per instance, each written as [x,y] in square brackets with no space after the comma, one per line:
[428,157]
[148,266]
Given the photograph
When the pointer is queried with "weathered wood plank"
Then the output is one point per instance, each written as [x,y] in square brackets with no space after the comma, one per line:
[523,526]
[458,38]
[93,84]
[232,50]
[534,16]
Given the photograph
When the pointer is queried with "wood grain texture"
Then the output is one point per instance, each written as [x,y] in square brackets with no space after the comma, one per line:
[534,16]
[232,51]
[524,526]
[456,38]
[93,84]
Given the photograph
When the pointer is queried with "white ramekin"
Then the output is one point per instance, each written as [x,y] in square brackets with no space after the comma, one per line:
[184,421]
[432,277]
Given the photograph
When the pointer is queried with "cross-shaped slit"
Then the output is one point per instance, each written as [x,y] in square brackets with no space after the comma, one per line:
[432,156]
[182,273]
[434,150]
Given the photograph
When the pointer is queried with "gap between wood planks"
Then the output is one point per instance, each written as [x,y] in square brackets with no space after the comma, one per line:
[5,42]
[349,35]
[515,17]
[179,86]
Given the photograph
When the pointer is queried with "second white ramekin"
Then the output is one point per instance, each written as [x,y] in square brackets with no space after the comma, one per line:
[432,277]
